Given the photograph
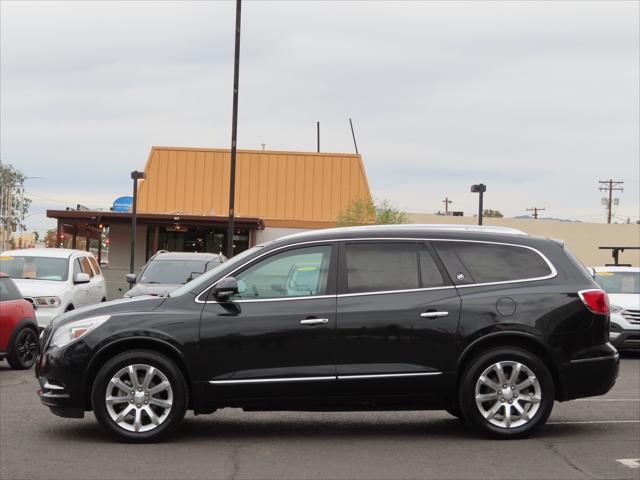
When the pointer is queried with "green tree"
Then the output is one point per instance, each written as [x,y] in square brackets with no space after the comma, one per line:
[492,213]
[364,212]
[13,204]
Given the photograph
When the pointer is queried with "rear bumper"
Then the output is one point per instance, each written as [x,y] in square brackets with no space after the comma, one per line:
[592,375]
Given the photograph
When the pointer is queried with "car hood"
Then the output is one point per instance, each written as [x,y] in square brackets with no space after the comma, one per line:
[114,307]
[627,301]
[158,289]
[40,288]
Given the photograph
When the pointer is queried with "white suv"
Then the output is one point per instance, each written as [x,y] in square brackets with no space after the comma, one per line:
[622,284]
[58,279]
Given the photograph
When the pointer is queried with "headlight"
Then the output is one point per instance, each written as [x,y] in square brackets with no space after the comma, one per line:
[47,302]
[71,332]
[615,309]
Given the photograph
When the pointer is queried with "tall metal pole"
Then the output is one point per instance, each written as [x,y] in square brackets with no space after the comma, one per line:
[480,207]
[135,176]
[234,136]
[318,132]
[354,136]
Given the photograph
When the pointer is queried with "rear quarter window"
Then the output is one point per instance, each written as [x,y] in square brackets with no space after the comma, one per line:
[8,290]
[475,262]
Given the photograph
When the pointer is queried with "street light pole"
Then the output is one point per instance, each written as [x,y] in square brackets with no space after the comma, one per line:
[479,188]
[135,176]
[234,135]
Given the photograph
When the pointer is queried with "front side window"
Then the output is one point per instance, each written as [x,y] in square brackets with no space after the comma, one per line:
[476,262]
[86,266]
[36,268]
[300,272]
[379,267]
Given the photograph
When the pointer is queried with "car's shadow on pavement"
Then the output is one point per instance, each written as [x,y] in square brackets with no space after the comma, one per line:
[194,430]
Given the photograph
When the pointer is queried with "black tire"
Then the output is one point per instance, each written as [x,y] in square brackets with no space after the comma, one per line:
[167,369]
[536,369]
[25,349]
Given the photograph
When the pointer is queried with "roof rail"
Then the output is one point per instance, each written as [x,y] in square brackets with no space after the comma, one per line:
[455,228]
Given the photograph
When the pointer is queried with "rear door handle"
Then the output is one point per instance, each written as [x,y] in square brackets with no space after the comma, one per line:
[434,314]
[314,321]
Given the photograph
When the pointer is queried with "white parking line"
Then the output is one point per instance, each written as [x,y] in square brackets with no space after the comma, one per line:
[594,421]
[630,462]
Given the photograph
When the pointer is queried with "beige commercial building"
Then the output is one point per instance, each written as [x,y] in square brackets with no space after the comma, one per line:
[583,239]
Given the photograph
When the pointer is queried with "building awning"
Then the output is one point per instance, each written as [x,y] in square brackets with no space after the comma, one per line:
[98,217]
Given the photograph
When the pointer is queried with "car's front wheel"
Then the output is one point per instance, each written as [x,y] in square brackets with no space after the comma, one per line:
[506,393]
[25,349]
[139,396]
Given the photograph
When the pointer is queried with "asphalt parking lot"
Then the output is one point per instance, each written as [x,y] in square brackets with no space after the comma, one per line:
[591,438]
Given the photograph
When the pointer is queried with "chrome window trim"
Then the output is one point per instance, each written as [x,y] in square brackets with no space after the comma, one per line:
[553,270]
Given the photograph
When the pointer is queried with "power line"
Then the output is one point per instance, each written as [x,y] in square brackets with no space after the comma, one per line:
[609,186]
[535,211]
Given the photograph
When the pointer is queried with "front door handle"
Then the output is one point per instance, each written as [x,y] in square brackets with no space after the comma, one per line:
[434,314]
[314,321]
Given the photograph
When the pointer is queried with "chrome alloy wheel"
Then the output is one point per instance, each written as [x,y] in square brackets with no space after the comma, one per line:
[139,398]
[508,394]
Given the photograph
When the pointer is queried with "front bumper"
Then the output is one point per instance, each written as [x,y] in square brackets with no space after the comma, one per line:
[592,373]
[626,341]
[61,384]
[44,315]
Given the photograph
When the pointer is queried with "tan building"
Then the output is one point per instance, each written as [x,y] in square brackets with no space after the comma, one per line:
[584,239]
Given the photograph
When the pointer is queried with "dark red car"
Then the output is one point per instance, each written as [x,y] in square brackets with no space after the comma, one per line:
[18,327]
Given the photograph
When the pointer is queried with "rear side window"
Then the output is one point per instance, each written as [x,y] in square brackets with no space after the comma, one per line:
[475,262]
[8,290]
[376,267]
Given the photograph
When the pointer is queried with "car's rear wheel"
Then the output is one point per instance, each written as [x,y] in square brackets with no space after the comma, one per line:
[25,349]
[139,396]
[506,393]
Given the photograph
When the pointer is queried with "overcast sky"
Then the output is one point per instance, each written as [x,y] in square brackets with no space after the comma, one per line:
[539,100]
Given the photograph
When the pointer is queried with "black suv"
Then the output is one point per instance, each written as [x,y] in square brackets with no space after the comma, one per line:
[490,324]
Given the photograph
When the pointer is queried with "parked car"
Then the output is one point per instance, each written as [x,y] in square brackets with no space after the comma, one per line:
[18,327]
[58,279]
[491,324]
[623,286]
[166,271]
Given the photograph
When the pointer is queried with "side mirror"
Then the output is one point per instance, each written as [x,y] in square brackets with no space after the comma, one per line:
[593,272]
[131,278]
[225,288]
[82,278]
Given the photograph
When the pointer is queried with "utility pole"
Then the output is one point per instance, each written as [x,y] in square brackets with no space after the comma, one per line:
[318,135]
[446,202]
[535,211]
[234,136]
[610,186]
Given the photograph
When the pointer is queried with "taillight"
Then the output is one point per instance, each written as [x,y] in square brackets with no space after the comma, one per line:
[595,300]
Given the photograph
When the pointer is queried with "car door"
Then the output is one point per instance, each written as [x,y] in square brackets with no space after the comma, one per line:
[100,289]
[273,339]
[397,315]
[80,290]
[94,292]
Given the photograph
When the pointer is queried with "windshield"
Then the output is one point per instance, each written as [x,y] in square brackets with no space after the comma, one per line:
[36,268]
[619,282]
[173,271]
[205,280]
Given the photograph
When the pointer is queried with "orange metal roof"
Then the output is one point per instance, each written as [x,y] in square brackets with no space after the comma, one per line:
[287,189]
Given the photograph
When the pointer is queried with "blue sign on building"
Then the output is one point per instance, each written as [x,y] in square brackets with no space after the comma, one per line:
[122,204]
